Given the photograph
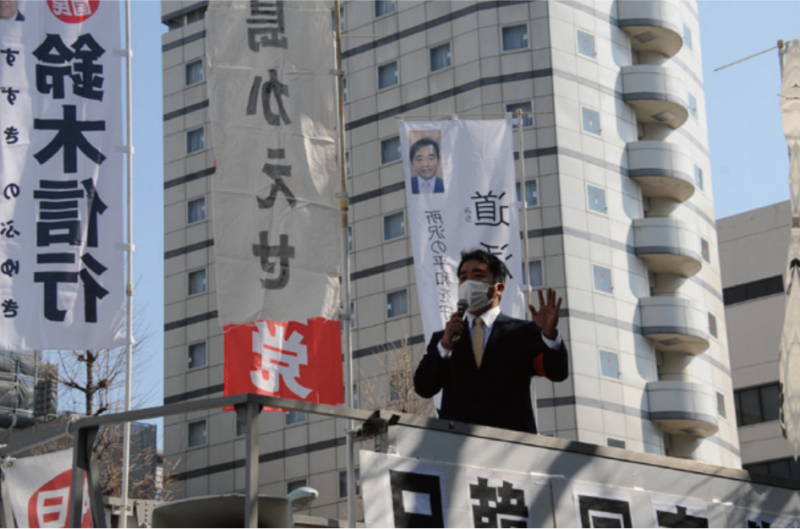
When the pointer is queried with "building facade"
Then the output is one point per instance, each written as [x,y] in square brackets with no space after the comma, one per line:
[753,248]
[620,213]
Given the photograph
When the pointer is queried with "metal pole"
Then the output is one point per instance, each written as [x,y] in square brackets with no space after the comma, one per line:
[251,411]
[523,194]
[126,442]
[345,286]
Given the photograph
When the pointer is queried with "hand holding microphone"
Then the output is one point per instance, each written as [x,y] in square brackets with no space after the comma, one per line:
[454,327]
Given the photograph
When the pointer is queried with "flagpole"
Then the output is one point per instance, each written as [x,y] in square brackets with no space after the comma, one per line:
[525,268]
[344,292]
[126,443]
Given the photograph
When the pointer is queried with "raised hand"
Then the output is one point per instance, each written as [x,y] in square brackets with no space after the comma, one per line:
[547,315]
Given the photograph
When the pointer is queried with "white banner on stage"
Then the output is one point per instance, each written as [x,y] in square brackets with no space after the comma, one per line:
[39,488]
[272,106]
[61,233]
[460,191]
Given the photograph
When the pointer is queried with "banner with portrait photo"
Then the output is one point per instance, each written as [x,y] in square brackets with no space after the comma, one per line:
[61,235]
[460,191]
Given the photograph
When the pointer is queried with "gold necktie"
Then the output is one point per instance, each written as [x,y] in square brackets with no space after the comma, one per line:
[477,341]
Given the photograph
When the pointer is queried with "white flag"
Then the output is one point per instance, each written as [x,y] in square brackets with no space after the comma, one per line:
[276,215]
[39,488]
[61,252]
[790,340]
[460,195]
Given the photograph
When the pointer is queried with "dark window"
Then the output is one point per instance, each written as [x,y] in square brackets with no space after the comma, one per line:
[721,405]
[440,57]
[390,150]
[194,16]
[755,405]
[784,468]
[197,281]
[195,140]
[197,355]
[753,290]
[197,433]
[531,193]
[515,37]
[194,72]
[241,427]
[196,210]
[343,483]
[294,417]
[345,93]
[388,75]
[705,250]
[526,117]
[537,275]
[394,226]
[616,443]
[712,325]
[396,303]
[698,177]
[586,44]
[591,120]
[383,7]
[294,485]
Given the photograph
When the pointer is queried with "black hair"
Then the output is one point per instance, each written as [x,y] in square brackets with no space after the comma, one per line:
[424,142]
[496,266]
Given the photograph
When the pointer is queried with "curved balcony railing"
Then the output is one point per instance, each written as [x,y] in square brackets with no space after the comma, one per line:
[652,26]
[657,95]
[668,246]
[675,324]
[661,169]
[681,407]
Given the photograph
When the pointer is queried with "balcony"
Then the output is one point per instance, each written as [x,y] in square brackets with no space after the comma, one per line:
[656,95]
[675,324]
[661,169]
[667,246]
[653,26]
[685,408]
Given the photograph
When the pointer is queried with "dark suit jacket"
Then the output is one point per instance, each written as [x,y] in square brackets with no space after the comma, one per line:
[498,393]
[438,186]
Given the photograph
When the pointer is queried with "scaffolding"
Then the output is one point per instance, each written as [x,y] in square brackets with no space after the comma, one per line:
[28,389]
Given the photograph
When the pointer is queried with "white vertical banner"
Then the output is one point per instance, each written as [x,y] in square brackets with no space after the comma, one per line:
[39,488]
[460,191]
[790,339]
[61,237]
[272,106]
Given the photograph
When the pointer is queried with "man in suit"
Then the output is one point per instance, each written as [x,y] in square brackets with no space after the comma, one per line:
[484,360]
[8,10]
[424,156]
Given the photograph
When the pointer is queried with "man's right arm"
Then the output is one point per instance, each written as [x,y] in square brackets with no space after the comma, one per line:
[430,376]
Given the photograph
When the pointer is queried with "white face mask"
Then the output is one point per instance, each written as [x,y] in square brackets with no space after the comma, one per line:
[475,293]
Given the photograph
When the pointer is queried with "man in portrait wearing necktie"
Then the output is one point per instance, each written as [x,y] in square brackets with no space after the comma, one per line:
[425,166]
[483,360]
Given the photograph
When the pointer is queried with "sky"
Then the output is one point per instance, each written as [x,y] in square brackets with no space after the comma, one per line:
[749,161]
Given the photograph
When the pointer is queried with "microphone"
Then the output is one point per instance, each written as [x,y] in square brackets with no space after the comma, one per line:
[462,307]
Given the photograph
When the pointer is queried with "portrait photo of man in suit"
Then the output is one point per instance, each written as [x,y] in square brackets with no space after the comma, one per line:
[425,166]
[483,361]
[9,11]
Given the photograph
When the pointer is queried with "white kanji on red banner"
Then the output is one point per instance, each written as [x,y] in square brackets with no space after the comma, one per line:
[281,358]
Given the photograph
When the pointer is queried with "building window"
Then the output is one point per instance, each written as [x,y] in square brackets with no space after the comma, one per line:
[349,238]
[782,468]
[196,210]
[343,483]
[687,36]
[241,427]
[197,355]
[535,270]
[526,117]
[586,44]
[755,405]
[440,57]
[615,443]
[515,37]
[531,193]
[390,150]
[388,75]
[345,93]
[294,485]
[396,303]
[712,325]
[705,251]
[197,433]
[394,226]
[693,106]
[194,16]
[591,120]
[194,72]
[195,140]
[383,7]
[597,199]
[602,279]
[721,405]
[347,163]
[698,177]
[197,281]
[352,314]
[609,364]
[294,417]
[753,290]
[341,19]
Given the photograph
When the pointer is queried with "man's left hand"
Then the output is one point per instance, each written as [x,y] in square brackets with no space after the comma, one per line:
[547,315]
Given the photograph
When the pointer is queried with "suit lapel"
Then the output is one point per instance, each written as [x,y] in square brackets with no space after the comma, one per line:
[466,347]
[497,330]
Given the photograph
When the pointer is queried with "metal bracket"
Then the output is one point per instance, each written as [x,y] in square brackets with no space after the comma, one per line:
[375,426]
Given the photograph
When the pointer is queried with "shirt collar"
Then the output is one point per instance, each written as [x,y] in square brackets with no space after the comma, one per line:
[488,317]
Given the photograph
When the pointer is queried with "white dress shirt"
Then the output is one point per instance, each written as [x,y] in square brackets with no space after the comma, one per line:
[426,185]
[489,317]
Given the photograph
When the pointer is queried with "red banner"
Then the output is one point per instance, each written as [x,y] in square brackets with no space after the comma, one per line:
[291,360]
